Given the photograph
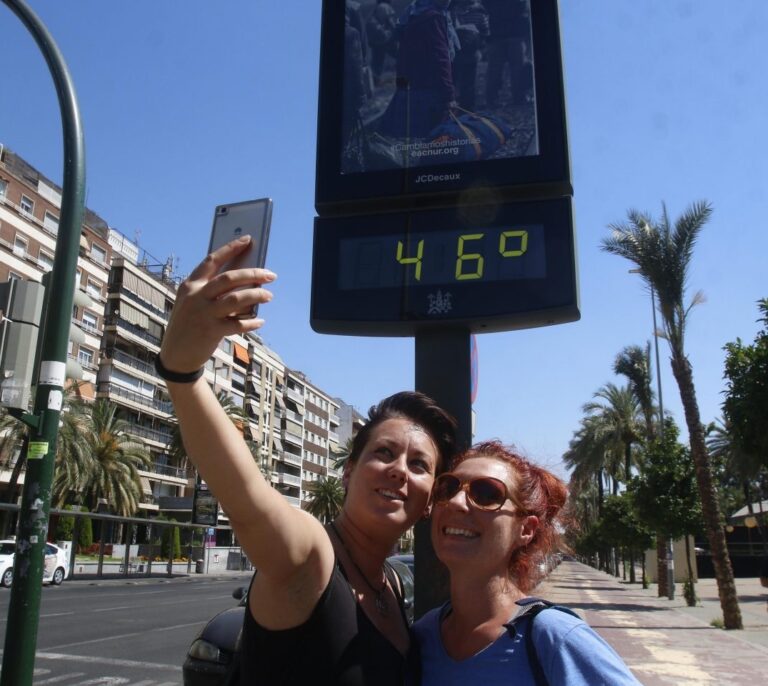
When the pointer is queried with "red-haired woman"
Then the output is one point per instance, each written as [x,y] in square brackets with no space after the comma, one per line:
[495,519]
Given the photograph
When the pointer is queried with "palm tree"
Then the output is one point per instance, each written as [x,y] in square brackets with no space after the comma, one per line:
[724,445]
[618,416]
[73,463]
[634,363]
[115,461]
[342,454]
[176,448]
[327,499]
[662,254]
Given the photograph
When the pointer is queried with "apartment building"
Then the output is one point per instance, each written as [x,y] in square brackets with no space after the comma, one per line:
[290,424]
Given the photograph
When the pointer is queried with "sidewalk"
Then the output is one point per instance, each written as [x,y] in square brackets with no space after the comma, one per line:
[663,641]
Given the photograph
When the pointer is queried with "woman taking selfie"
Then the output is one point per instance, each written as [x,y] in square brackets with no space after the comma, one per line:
[494,520]
[323,608]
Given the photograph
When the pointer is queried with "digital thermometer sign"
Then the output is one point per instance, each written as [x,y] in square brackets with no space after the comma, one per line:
[490,268]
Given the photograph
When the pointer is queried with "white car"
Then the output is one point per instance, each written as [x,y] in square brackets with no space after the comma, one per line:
[56,567]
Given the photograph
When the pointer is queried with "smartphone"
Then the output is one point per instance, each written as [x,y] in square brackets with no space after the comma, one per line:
[233,220]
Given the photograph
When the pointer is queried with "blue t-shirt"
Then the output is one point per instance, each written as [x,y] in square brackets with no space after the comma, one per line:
[570,653]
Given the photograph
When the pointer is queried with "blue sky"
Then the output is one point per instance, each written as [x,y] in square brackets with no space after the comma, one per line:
[188,105]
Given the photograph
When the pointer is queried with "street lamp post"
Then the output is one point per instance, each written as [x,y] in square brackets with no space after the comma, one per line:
[24,607]
[670,542]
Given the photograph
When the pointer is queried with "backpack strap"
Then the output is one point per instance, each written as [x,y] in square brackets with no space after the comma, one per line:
[535,606]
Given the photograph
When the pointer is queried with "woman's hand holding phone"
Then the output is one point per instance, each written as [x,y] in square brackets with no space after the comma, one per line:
[209,306]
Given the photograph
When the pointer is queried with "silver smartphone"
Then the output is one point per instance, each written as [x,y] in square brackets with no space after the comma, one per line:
[233,220]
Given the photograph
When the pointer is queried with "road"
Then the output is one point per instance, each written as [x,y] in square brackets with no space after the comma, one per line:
[118,633]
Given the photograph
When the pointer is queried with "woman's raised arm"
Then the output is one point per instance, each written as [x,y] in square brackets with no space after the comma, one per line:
[281,541]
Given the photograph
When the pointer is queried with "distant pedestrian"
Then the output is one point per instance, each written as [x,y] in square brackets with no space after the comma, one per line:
[495,520]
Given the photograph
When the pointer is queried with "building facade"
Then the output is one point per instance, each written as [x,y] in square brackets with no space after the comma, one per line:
[290,424]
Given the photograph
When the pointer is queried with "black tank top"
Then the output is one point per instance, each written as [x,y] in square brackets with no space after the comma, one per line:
[338,645]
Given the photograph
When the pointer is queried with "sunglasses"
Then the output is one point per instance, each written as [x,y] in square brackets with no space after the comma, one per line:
[484,492]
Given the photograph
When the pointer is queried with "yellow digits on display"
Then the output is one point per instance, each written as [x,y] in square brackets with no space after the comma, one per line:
[513,243]
[412,260]
[522,235]
[467,257]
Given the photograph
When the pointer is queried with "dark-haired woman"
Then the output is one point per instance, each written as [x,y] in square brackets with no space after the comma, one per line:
[494,520]
[324,607]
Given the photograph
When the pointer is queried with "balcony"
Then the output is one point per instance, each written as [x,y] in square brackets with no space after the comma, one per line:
[296,502]
[334,419]
[295,396]
[114,320]
[288,480]
[333,436]
[131,361]
[86,326]
[113,390]
[290,458]
[162,469]
[163,437]
[294,416]
[293,439]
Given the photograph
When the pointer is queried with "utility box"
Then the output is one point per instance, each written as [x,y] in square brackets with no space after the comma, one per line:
[21,305]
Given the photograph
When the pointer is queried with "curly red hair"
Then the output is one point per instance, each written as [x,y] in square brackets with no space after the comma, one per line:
[540,493]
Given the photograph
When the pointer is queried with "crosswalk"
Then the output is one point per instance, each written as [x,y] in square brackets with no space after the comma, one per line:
[46,677]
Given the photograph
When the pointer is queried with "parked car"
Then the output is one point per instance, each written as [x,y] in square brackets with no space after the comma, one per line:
[55,570]
[405,558]
[212,656]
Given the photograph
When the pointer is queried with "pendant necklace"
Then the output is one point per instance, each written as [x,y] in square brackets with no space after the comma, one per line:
[381,602]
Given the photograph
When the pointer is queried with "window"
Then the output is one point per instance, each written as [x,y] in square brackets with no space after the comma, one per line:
[93,288]
[27,205]
[85,357]
[45,260]
[90,321]
[20,246]
[238,379]
[3,188]
[51,222]
[98,254]
[226,346]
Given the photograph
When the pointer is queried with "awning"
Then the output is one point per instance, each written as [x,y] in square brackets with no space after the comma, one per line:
[240,353]
[277,444]
[293,406]
[255,385]
[279,401]
[144,290]
[146,487]
[134,316]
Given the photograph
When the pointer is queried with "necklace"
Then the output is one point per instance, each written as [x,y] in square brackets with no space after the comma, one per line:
[382,604]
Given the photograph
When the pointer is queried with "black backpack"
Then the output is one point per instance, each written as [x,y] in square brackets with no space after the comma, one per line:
[535,605]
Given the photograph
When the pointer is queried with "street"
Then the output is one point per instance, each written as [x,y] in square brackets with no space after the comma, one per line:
[122,633]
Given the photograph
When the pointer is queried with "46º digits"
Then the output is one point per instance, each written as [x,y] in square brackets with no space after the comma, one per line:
[470,262]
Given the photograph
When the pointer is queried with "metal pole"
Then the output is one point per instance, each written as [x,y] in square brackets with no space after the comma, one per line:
[443,372]
[23,613]
[670,542]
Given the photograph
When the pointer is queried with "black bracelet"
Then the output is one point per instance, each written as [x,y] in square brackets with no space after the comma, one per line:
[176,377]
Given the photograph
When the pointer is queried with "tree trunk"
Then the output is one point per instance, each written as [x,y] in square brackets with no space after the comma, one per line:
[632,578]
[713,519]
[661,564]
[690,570]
